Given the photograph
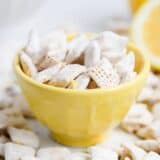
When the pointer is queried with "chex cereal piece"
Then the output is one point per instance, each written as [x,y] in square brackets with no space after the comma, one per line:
[48,61]
[126,64]
[152,156]
[149,145]
[134,152]
[56,153]
[29,158]
[67,74]
[137,118]
[27,65]
[76,48]
[33,48]
[14,151]
[104,75]
[99,153]
[82,81]
[47,74]
[24,137]
[128,77]
[92,54]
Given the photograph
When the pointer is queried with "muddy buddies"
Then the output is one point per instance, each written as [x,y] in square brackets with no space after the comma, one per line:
[80,62]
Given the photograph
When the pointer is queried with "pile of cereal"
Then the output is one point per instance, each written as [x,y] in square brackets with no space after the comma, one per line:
[84,62]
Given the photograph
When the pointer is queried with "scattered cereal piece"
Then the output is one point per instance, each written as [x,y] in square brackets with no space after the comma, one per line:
[150,131]
[11,120]
[153,80]
[152,156]
[66,74]
[24,137]
[76,48]
[138,117]
[78,156]
[16,151]
[156,110]
[98,153]
[21,104]
[56,153]
[135,152]
[149,145]
[27,65]
[92,54]
[5,100]
[146,94]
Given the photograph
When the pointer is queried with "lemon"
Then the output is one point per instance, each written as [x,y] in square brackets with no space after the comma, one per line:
[136,4]
[145,31]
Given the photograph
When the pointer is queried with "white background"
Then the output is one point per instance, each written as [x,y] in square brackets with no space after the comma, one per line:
[17,17]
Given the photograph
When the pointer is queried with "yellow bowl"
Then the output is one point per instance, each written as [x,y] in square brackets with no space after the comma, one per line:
[82,117]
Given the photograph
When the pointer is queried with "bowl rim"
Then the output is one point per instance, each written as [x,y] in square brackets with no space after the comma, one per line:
[145,68]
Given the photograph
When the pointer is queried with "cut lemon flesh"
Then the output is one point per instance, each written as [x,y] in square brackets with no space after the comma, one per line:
[136,4]
[145,31]
[151,32]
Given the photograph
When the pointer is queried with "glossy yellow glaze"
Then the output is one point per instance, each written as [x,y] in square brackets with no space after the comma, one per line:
[82,117]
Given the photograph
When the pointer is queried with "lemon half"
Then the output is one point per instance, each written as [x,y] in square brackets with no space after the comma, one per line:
[145,31]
